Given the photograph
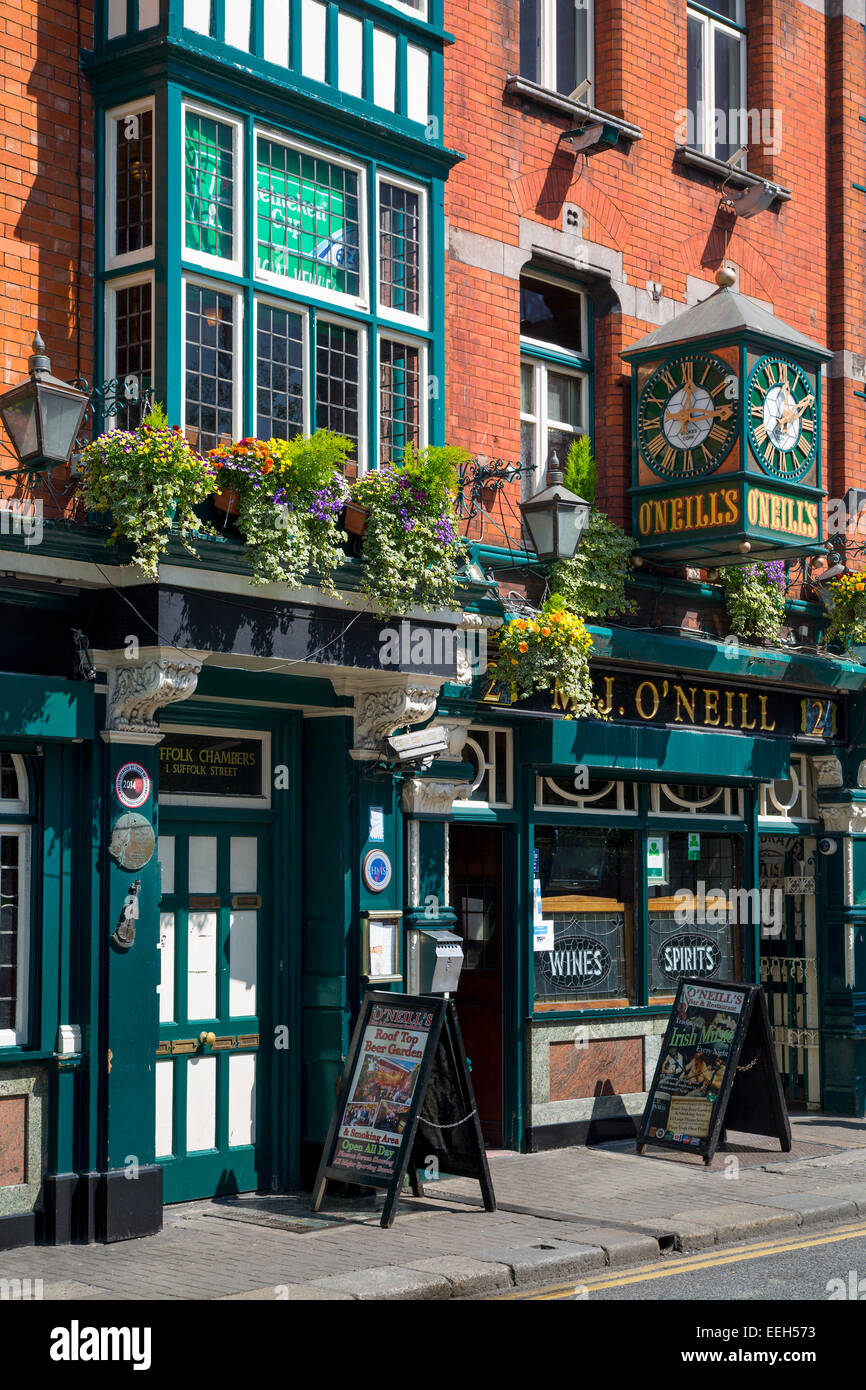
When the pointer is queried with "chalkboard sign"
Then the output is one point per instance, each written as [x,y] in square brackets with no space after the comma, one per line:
[716,1070]
[405,1102]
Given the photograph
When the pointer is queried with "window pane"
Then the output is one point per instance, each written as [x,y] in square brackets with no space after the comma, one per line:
[9,790]
[527,456]
[399,249]
[566,47]
[695,65]
[133,182]
[551,314]
[586,890]
[727,9]
[728,95]
[527,389]
[337,380]
[132,352]
[210,183]
[208,411]
[307,218]
[530,39]
[695,922]
[9,908]
[279,373]
[399,399]
[563,398]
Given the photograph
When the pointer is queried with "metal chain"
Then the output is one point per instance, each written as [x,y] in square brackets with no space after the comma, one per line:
[749,1065]
[424,1121]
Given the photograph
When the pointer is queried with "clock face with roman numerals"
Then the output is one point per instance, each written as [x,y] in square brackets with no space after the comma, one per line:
[687,416]
[783,417]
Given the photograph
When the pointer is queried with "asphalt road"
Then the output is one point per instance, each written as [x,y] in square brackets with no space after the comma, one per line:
[809,1266]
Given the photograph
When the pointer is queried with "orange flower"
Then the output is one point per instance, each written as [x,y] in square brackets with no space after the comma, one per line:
[524,647]
[545,632]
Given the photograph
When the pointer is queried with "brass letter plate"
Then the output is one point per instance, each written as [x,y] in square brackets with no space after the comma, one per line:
[163,1049]
[248,1039]
[223,1044]
[248,900]
[184,1045]
[204,904]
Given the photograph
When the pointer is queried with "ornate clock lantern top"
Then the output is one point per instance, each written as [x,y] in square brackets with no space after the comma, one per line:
[726,435]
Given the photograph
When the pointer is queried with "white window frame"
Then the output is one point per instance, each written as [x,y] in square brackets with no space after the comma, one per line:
[221,287]
[417,12]
[275,302]
[421,319]
[801,806]
[547,789]
[110,320]
[487,767]
[547,23]
[423,411]
[317,294]
[705,127]
[726,804]
[112,117]
[189,256]
[541,423]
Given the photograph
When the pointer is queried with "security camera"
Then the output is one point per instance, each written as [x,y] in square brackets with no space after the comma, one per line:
[422,743]
[737,157]
[580,91]
[827,846]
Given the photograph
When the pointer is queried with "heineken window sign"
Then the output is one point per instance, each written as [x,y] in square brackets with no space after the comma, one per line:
[657,859]
[726,404]
[694,845]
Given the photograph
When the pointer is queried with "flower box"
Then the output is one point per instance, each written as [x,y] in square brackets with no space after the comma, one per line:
[355,518]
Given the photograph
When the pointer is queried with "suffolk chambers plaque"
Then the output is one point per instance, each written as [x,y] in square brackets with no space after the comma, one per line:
[193,764]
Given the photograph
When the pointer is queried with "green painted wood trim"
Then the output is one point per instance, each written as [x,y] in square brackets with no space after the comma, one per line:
[46,707]
[654,752]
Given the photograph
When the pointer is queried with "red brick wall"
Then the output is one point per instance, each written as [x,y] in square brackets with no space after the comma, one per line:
[46,208]
[806,256]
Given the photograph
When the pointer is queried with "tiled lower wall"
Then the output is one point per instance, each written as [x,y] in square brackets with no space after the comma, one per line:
[23,1138]
[591,1071]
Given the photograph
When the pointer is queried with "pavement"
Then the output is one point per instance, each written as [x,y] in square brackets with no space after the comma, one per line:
[560,1215]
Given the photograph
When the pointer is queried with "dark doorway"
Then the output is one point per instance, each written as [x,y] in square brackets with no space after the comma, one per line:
[476,895]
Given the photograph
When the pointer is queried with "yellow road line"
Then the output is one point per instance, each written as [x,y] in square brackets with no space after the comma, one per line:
[687,1264]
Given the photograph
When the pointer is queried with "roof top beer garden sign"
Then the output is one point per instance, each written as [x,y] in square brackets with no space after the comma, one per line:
[726,410]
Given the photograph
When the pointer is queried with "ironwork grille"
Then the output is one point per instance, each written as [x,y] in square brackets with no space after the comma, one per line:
[10,850]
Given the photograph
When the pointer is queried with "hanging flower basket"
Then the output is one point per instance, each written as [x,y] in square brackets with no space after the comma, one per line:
[355,518]
[228,501]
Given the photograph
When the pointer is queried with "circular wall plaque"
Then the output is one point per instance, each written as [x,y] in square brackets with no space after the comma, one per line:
[132,785]
[132,841]
[376,870]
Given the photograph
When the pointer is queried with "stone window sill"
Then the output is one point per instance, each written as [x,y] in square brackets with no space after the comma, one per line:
[717,168]
[564,106]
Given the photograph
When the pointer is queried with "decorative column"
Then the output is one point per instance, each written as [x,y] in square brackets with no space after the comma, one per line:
[842,935]
[129,1196]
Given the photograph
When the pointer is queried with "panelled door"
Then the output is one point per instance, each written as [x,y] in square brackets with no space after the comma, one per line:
[212,928]
[475,853]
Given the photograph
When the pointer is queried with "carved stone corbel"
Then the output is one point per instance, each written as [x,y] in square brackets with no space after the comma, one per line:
[423,796]
[138,689]
[828,771]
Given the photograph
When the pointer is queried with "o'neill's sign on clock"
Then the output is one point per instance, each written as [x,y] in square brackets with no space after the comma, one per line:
[726,409]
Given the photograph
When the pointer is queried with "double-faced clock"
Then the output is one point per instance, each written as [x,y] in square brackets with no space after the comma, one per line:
[782,417]
[687,416]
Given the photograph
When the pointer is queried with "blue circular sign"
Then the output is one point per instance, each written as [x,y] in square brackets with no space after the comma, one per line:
[376,870]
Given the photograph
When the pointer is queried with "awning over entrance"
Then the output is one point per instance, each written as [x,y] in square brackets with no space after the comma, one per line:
[668,752]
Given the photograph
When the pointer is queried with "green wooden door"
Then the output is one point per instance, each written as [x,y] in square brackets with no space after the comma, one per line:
[213,928]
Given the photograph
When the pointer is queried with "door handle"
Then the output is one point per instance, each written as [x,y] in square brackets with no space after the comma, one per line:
[207,1039]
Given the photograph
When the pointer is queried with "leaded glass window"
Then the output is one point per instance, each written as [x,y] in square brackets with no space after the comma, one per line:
[209,186]
[399,249]
[133,182]
[132,349]
[337,379]
[279,373]
[307,218]
[399,398]
[210,365]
